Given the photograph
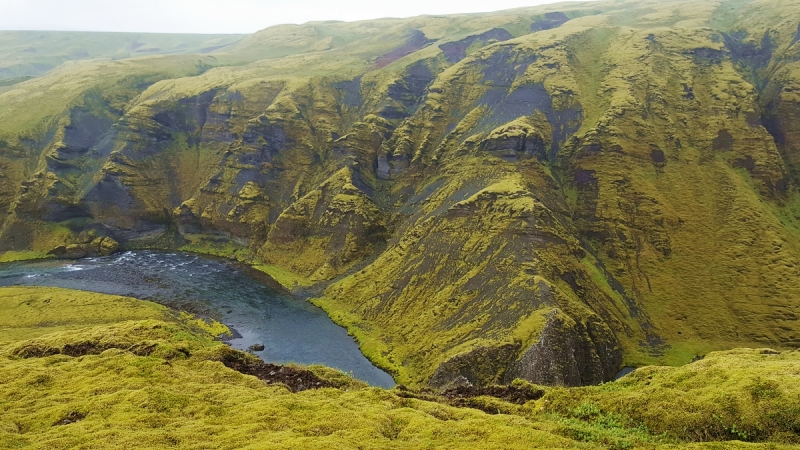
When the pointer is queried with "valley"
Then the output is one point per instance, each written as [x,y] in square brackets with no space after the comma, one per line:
[520,202]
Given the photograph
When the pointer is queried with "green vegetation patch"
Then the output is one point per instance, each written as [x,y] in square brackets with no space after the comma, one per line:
[286,278]
[27,255]
[208,245]
[29,312]
[744,395]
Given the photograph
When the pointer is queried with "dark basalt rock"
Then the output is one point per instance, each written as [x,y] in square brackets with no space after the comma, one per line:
[86,236]
[72,417]
[147,137]
[569,353]
[464,395]
[82,348]
[513,394]
[84,131]
[108,198]
[456,51]
[750,54]
[504,105]
[585,177]
[58,251]
[723,141]
[295,379]
[416,41]
[505,64]
[383,167]
[515,144]
[186,220]
[550,21]
[266,138]
[351,92]
[188,115]
[408,92]
[747,163]
[75,251]
[481,366]
[753,119]
[708,55]
[657,155]
[688,92]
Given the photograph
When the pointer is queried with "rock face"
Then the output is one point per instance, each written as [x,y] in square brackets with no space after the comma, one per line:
[481,366]
[532,194]
[569,354]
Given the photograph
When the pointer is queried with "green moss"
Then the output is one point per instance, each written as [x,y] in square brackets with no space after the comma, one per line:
[208,326]
[215,246]
[12,256]
[529,329]
[286,278]
[745,395]
[28,312]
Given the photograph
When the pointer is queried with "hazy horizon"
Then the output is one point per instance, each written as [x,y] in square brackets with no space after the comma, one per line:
[218,16]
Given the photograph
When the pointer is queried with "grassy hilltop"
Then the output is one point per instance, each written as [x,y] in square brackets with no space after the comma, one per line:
[545,193]
[29,54]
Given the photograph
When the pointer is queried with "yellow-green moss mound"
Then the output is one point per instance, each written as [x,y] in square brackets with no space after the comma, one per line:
[744,394]
[29,312]
[143,378]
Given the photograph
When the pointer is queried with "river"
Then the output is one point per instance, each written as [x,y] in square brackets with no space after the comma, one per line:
[291,329]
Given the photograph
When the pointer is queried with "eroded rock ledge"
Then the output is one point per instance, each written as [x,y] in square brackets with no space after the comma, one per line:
[568,353]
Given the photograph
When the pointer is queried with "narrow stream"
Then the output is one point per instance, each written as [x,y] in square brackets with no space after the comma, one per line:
[291,330]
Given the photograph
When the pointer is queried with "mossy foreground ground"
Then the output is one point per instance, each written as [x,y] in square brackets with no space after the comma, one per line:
[123,373]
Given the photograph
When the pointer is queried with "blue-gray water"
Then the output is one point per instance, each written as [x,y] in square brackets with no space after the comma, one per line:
[624,371]
[291,329]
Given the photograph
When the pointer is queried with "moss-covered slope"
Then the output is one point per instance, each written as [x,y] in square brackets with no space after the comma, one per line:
[545,193]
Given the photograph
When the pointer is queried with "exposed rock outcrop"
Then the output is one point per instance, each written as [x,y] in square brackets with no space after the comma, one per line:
[87,243]
[482,366]
[569,353]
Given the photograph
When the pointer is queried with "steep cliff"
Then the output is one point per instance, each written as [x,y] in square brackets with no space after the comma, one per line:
[543,193]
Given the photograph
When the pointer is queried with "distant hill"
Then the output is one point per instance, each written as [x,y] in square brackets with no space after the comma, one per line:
[33,53]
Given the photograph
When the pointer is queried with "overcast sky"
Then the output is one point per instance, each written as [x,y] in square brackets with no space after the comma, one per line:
[219,16]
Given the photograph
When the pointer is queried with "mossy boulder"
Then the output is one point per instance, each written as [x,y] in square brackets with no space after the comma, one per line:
[108,246]
[86,245]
